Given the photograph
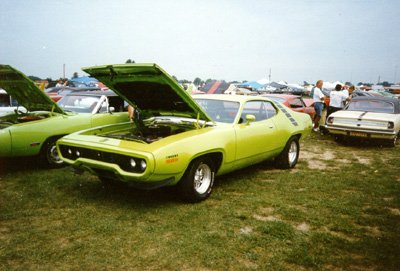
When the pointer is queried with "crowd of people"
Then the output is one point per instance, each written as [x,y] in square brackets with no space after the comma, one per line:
[337,100]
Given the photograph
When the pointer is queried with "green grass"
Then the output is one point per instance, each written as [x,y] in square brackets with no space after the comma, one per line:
[338,209]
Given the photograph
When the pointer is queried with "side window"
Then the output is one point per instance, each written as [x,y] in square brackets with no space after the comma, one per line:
[296,103]
[103,107]
[271,110]
[256,108]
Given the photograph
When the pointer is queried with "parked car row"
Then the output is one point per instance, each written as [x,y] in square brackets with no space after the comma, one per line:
[176,139]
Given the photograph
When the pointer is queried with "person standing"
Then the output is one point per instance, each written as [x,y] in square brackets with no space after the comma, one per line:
[337,98]
[131,110]
[318,98]
[60,84]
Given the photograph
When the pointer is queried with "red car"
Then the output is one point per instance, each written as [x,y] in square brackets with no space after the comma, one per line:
[56,93]
[294,102]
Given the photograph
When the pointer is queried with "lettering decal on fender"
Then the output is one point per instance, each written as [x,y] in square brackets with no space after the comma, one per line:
[172,159]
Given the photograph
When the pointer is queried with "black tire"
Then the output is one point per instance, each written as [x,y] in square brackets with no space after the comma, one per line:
[290,155]
[49,154]
[197,183]
[392,142]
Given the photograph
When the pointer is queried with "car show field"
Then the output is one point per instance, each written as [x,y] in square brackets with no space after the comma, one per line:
[338,209]
[127,206]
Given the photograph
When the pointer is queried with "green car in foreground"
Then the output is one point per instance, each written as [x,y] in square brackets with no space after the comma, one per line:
[182,140]
[35,129]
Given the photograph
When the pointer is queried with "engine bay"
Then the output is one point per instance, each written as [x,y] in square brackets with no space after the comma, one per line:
[16,118]
[154,130]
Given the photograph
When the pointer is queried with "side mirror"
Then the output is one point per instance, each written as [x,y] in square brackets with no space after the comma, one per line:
[250,118]
[111,109]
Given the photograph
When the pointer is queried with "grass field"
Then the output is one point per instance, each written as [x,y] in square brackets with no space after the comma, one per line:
[338,209]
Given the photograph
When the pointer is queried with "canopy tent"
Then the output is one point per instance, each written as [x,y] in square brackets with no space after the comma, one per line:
[252,84]
[263,81]
[218,87]
[88,81]
[84,79]
[276,85]
[331,86]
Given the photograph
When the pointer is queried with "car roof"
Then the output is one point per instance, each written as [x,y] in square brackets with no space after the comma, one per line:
[285,96]
[227,97]
[396,102]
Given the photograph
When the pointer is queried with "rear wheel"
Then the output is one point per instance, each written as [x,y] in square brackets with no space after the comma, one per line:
[197,182]
[290,154]
[393,142]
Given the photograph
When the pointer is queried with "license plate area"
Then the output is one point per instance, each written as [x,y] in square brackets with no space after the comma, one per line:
[359,134]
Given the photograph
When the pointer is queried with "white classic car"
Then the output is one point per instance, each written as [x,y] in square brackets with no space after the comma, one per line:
[8,104]
[367,117]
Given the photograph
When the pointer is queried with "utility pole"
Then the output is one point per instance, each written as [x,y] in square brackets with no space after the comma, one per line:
[64,71]
[270,75]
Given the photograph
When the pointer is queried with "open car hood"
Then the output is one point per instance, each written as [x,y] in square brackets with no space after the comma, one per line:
[149,89]
[24,90]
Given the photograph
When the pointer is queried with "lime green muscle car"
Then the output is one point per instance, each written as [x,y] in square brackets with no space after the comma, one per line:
[182,140]
[34,128]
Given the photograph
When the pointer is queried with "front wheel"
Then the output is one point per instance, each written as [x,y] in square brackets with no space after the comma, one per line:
[289,156]
[49,154]
[197,182]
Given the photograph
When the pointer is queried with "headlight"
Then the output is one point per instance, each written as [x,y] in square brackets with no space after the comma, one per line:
[133,163]
[330,120]
[391,125]
[143,165]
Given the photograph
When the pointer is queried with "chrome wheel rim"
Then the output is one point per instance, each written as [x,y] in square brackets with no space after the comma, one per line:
[293,152]
[53,156]
[202,178]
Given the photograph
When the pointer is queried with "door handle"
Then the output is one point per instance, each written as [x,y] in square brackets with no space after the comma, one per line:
[271,126]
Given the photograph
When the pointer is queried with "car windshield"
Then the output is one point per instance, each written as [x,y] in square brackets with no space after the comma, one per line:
[78,104]
[220,111]
[371,106]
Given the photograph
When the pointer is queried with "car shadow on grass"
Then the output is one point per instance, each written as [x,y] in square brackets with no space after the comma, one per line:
[123,194]
[245,172]
[11,165]
[95,190]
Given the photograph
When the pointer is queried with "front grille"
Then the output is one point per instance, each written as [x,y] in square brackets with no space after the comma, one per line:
[123,161]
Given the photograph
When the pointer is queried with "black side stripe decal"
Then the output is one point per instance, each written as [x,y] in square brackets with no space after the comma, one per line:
[287,114]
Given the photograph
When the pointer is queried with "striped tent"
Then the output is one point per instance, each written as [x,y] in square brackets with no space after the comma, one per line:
[218,87]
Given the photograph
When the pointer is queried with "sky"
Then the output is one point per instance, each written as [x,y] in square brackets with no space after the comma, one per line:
[236,40]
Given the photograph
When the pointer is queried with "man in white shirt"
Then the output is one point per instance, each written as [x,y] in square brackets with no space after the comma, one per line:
[318,99]
[337,97]
[60,84]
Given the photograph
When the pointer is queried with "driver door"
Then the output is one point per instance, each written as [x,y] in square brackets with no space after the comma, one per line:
[257,139]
